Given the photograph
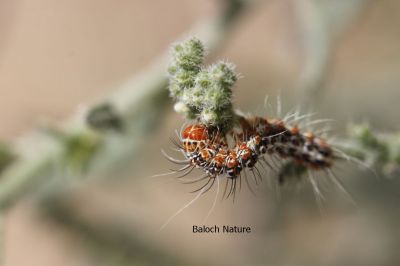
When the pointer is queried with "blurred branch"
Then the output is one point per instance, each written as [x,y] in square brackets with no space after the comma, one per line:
[380,151]
[320,23]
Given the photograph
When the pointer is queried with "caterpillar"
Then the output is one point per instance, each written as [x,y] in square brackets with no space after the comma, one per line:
[255,139]
[256,142]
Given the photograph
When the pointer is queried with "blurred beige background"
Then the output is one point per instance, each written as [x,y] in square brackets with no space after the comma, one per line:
[58,55]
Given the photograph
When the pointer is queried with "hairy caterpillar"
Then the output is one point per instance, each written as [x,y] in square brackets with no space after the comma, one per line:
[276,144]
[255,142]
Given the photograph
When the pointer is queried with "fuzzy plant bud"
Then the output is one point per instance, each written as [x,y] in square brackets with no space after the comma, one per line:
[218,96]
[181,108]
[187,58]
[201,93]
[223,75]
[203,79]
[209,117]
[380,150]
